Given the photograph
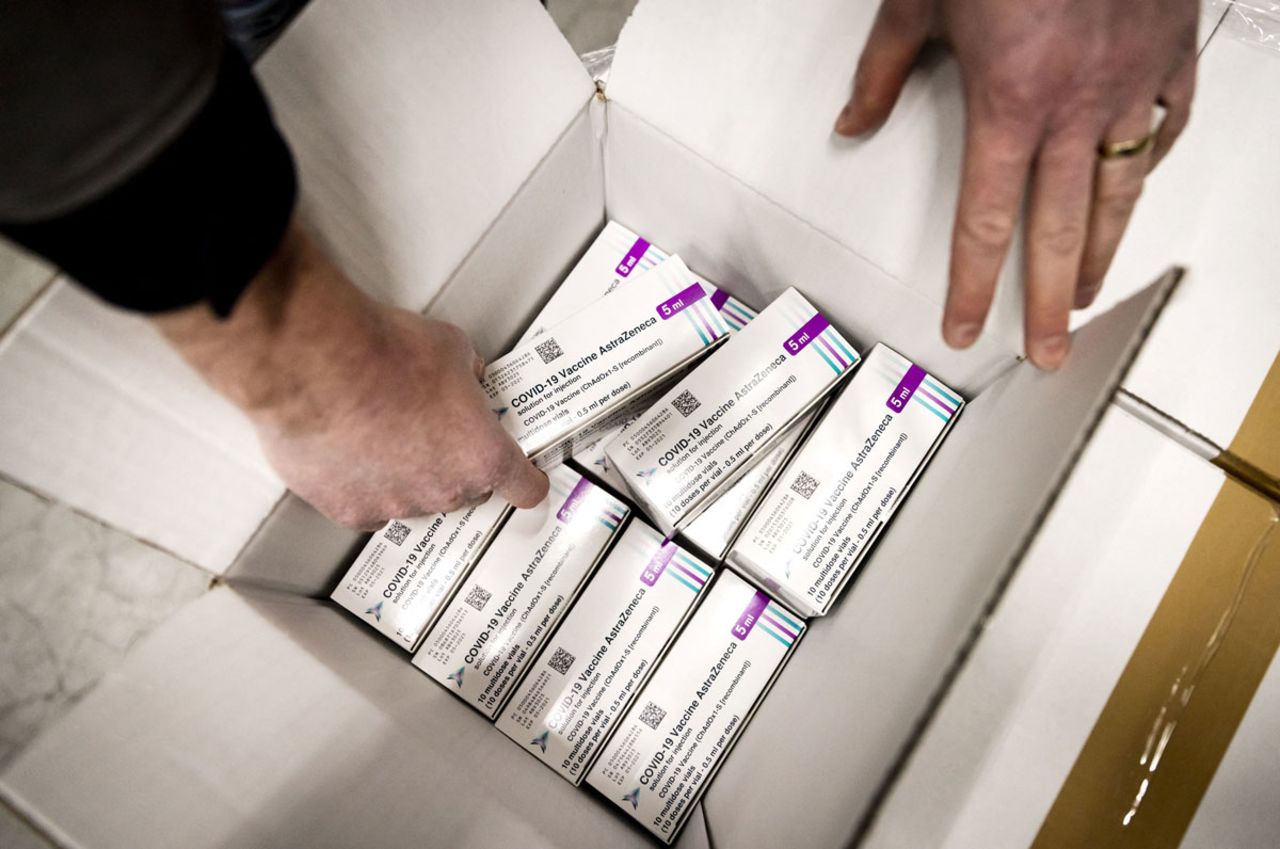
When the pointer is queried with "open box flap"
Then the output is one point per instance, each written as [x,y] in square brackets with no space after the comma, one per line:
[862,683]
[268,720]
[755,88]
[414,122]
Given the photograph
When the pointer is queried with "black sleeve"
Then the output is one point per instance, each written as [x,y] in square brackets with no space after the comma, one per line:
[193,224]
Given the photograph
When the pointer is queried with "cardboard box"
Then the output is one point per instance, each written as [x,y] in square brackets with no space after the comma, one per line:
[276,707]
[610,642]
[846,482]
[717,422]
[522,587]
[407,571]
[614,355]
[666,751]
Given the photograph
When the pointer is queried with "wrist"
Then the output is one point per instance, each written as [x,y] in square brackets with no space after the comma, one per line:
[299,331]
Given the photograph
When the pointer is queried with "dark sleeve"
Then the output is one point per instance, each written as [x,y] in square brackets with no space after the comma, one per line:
[167,183]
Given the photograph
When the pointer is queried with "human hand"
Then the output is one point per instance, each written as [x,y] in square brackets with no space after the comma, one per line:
[1046,82]
[368,412]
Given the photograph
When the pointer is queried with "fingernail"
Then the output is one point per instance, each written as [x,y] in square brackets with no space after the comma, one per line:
[1084,297]
[962,335]
[847,123]
[1049,352]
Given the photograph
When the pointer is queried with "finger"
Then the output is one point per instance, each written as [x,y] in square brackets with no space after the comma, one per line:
[1116,187]
[521,483]
[477,366]
[900,30]
[1176,99]
[1057,225]
[996,161]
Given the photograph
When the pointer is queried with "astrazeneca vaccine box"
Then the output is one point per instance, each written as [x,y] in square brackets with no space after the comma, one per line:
[730,411]
[715,529]
[615,257]
[604,651]
[679,730]
[614,355]
[590,454]
[401,580]
[519,590]
[830,504]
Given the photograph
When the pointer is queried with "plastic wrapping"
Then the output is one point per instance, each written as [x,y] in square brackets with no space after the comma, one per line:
[1254,21]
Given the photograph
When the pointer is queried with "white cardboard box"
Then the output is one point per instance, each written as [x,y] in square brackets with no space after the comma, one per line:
[616,634]
[283,722]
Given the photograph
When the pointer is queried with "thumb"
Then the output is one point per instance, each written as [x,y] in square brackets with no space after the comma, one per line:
[900,31]
[522,483]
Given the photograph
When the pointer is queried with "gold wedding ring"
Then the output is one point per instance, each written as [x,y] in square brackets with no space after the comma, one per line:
[1125,149]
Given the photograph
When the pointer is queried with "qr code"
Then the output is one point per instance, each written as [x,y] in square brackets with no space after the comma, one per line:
[685,403]
[652,715]
[397,532]
[548,350]
[561,660]
[478,597]
[804,485]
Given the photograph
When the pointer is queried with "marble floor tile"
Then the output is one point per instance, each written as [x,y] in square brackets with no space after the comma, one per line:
[74,596]
[590,24]
[22,276]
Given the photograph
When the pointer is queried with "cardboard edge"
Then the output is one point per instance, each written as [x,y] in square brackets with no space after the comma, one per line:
[1164,286]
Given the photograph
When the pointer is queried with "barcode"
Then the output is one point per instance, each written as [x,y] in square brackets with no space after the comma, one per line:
[396,532]
[804,485]
[685,403]
[652,715]
[561,660]
[478,597]
[548,350]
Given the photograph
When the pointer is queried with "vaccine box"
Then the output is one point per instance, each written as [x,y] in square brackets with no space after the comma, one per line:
[679,730]
[842,487]
[407,571]
[616,256]
[519,591]
[605,650]
[590,455]
[584,374]
[729,412]
[715,529]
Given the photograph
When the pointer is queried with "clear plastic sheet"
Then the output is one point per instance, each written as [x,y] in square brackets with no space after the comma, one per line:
[1254,21]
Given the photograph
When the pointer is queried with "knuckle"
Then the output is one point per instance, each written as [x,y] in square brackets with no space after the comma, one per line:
[987,230]
[1122,195]
[1059,239]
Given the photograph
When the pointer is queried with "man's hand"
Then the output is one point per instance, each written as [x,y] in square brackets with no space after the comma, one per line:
[368,412]
[1045,82]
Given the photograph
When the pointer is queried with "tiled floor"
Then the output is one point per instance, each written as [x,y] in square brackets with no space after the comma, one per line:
[75,596]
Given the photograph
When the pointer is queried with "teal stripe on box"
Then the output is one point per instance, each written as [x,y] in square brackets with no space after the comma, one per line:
[693,564]
[946,396]
[848,354]
[774,610]
[826,357]
[931,408]
[773,633]
[690,584]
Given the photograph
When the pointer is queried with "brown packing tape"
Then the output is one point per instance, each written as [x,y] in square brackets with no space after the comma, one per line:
[1153,751]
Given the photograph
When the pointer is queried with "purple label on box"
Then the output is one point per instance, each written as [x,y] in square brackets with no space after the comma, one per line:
[748,619]
[905,389]
[719,298]
[570,507]
[679,302]
[808,332]
[633,256]
[658,563]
